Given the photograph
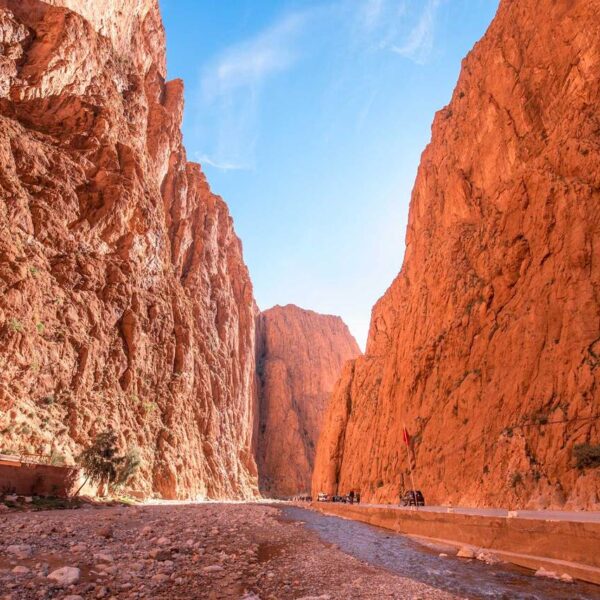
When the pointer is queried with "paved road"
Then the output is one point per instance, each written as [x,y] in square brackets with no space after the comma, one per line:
[543,515]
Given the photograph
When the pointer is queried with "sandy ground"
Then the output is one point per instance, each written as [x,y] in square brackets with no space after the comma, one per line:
[213,551]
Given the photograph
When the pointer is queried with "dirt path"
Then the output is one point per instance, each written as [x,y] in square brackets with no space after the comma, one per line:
[213,551]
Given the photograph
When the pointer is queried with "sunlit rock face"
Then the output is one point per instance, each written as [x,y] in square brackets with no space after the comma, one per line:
[300,355]
[124,298]
[487,344]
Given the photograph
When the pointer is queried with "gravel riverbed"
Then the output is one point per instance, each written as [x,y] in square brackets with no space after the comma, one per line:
[209,550]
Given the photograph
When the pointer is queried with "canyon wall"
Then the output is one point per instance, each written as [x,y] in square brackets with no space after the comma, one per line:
[487,344]
[124,298]
[300,355]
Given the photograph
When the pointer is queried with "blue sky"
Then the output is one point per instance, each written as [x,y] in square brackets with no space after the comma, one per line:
[309,118]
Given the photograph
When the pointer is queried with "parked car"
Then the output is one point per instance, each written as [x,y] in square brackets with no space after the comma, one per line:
[413,498]
[322,497]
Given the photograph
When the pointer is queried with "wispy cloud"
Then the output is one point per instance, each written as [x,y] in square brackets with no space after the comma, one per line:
[420,41]
[231,87]
[232,84]
[371,13]
[222,166]
[249,63]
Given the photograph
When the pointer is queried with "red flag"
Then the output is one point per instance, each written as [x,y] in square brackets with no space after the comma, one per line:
[405,436]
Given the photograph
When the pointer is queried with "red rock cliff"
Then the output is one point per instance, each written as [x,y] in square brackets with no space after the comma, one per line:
[299,357]
[487,345]
[124,298]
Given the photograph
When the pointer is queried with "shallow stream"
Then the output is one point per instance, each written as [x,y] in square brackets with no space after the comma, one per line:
[471,579]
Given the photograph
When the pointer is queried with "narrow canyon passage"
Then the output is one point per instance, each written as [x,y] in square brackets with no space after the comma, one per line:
[239,551]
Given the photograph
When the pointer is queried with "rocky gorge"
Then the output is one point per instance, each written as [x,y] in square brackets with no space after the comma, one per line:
[127,310]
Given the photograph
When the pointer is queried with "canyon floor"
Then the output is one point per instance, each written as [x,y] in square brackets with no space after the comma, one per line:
[234,551]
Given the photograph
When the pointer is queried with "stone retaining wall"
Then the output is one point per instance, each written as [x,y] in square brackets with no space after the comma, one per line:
[27,479]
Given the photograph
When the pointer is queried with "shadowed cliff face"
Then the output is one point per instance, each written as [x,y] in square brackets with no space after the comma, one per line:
[300,355]
[487,345]
[124,299]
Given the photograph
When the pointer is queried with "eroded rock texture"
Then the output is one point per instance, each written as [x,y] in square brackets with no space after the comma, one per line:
[124,299]
[487,345]
[300,355]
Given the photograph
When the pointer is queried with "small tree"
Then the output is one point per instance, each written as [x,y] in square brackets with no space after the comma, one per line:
[102,464]
[129,467]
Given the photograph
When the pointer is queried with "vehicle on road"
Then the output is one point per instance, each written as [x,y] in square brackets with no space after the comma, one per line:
[413,498]
[322,497]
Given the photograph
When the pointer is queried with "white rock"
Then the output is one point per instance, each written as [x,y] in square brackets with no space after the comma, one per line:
[541,572]
[488,558]
[443,555]
[20,550]
[566,577]
[65,576]
[101,557]
[163,541]
[160,577]
[466,552]
[213,569]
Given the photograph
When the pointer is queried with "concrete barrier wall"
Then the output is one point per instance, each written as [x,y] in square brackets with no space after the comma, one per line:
[528,542]
[28,479]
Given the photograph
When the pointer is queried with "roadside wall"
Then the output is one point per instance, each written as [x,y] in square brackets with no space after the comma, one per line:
[28,479]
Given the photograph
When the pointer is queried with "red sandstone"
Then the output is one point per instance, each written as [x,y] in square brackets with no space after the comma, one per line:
[487,345]
[124,298]
[300,355]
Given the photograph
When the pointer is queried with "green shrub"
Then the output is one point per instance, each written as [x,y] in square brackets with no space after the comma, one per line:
[15,325]
[149,407]
[587,456]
